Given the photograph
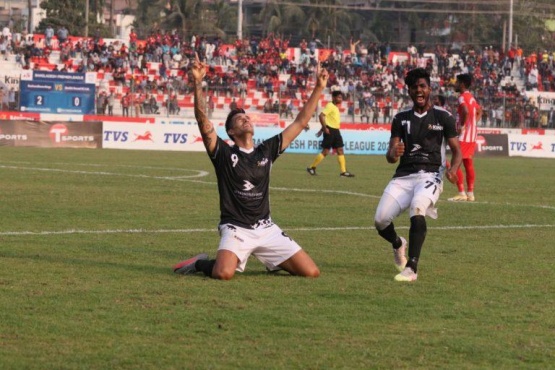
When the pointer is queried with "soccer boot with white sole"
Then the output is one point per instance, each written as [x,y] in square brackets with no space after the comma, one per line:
[459,198]
[407,275]
[311,171]
[347,174]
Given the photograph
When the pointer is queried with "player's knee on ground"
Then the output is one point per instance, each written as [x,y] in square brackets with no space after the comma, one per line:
[312,272]
[223,273]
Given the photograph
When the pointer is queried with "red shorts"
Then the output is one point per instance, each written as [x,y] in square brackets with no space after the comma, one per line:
[468,150]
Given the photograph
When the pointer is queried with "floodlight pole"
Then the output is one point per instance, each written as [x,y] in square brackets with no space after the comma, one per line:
[87,18]
[510,38]
[240,20]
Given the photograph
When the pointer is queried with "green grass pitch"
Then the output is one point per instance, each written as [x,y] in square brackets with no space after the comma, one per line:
[88,238]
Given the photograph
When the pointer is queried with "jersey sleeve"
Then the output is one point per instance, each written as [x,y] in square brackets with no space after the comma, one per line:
[396,127]
[274,147]
[219,151]
[449,126]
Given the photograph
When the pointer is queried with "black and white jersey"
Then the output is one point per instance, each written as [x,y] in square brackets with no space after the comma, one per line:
[425,136]
[244,182]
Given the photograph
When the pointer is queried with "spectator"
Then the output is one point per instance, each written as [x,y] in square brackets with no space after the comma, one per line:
[268,106]
[233,105]
[2,96]
[100,103]
[62,35]
[110,101]
[125,103]
[12,102]
[48,35]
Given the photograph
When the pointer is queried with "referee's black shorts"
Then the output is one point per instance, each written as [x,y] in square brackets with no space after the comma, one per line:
[333,139]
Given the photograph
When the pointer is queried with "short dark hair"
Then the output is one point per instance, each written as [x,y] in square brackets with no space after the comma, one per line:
[229,119]
[336,93]
[465,78]
[414,75]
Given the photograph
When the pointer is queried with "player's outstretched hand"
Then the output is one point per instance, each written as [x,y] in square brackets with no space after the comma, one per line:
[198,70]
[323,76]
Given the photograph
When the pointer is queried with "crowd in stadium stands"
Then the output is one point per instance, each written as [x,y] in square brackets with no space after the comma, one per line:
[146,74]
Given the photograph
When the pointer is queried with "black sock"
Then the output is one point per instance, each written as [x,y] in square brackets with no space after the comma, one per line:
[206,266]
[417,235]
[391,236]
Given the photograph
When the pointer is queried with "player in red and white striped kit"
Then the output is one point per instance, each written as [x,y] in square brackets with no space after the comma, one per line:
[469,114]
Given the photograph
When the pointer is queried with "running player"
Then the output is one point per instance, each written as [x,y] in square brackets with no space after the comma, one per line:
[418,138]
[469,114]
[243,172]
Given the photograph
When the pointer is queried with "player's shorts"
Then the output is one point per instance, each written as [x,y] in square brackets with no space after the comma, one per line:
[468,149]
[409,189]
[269,244]
[333,139]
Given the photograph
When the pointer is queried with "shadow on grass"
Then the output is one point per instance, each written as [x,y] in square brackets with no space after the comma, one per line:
[165,270]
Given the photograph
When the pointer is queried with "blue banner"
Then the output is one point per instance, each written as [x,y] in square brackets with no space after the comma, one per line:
[369,142]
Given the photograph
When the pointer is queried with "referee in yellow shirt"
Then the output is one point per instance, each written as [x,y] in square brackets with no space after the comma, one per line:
[330,119]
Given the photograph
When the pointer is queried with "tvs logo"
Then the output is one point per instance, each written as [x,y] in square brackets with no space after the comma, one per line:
[147,136]
[538,146]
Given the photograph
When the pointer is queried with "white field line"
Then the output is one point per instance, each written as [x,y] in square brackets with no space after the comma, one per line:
[214,230]
[199,173]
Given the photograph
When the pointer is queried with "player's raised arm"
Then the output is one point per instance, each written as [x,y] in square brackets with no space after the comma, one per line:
[301,122]
[198,71]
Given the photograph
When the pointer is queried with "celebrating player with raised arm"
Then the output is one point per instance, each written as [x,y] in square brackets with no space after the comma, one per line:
[243,172]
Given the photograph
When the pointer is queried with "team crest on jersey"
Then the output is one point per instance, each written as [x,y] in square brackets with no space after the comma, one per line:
[435,127]
[247,186]
[263,162]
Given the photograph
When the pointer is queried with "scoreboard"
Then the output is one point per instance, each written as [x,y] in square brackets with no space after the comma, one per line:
[57,92]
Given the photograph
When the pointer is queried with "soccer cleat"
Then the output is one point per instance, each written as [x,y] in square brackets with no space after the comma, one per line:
[311,171]
[471,198]
[188,266]
[406,275]
[458,198]
[399,255]
[347,174]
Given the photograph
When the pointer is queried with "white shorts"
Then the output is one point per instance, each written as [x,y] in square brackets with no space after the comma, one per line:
[408,190]
[270,245]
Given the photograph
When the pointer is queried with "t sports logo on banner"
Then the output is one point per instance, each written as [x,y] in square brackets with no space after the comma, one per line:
[57,92]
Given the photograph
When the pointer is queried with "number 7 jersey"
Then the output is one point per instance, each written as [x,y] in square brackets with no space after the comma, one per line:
[424,136]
